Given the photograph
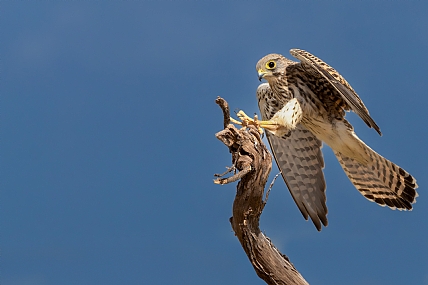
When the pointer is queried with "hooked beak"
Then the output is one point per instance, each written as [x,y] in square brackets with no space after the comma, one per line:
[261,74]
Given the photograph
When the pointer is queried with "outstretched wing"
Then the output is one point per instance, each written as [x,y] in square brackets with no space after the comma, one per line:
[338,82]
[300,161]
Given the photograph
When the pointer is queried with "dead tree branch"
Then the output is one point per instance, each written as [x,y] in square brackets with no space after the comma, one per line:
[251,157]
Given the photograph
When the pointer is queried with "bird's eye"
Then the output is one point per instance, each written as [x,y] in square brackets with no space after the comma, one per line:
[270,64]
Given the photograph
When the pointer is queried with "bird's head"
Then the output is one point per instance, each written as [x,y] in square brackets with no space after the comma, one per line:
[271,66]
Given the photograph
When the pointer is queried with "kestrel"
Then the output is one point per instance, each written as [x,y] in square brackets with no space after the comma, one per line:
[302,105]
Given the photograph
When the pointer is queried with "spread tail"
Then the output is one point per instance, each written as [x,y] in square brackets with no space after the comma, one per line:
[380,180]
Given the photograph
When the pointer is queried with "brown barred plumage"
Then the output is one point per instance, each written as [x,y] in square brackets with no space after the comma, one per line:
[308,100]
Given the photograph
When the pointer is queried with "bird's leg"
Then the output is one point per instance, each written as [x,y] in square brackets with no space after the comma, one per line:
[287,118]
[280,124]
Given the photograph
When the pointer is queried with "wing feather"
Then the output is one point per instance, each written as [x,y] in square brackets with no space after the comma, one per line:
[300,161]
[339,83]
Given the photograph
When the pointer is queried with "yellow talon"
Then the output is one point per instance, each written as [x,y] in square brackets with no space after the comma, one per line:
[246,121]
[235,121]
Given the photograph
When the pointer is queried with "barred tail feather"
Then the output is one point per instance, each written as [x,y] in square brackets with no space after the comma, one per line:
[380,180]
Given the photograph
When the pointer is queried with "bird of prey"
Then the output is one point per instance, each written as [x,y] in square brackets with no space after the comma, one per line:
[302,105]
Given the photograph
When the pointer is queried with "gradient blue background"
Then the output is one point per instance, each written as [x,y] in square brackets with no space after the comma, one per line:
[108,150]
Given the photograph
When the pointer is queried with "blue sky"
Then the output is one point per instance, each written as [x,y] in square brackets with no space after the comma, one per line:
[108,150]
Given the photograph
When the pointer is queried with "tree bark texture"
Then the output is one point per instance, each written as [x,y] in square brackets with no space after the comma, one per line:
[254,162]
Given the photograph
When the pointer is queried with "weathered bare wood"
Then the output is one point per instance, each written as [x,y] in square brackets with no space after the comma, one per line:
[251,157]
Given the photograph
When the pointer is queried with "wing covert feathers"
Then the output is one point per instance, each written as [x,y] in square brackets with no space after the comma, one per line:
[338,82]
